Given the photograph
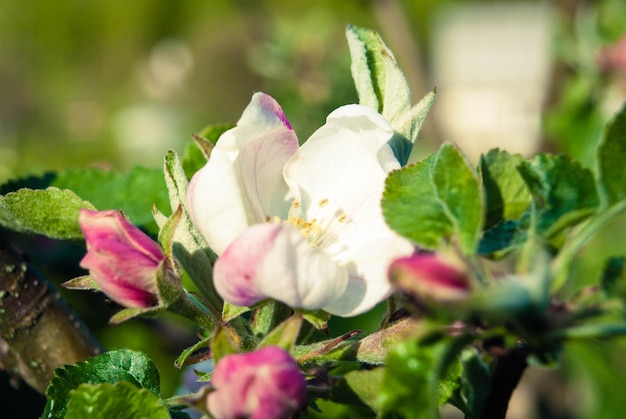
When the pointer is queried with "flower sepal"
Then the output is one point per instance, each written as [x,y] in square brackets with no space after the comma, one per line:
[84,282]
[169,291]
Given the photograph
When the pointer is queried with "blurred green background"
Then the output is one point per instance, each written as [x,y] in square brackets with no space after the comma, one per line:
[115,84]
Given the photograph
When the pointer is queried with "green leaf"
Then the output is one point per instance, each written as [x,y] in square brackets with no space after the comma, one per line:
[381,85]
[506,193]
[51,212]
[231,311]
[119,400]
[198,151]
[109,367]
[411,206]
[459,191]
[193,159]
[476,382]
[188,356]
[367,385]
[188,246]
[564,191]
[317,318]
[285,334]
[409,386]
[499,239]
[135,192]
[267,315]
[222,343]
[213,132]
[611,158]
[434,200]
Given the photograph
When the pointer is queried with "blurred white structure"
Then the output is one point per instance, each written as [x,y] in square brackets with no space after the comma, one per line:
[491,66]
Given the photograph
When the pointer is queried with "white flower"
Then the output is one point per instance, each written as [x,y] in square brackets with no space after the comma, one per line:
[302,225]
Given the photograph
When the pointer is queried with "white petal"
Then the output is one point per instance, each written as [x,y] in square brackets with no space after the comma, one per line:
[343,165]
[276,261]
[242,182]
[368,284]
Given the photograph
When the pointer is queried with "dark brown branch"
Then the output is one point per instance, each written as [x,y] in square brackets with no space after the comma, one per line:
[38,331]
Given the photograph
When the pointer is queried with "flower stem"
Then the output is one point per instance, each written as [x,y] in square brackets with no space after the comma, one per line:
[506,374]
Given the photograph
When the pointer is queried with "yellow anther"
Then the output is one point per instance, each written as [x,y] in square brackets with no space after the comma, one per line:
[295,204]
[342,218]
[323,203]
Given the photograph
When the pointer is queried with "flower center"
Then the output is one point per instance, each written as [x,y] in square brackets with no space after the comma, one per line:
[314,230]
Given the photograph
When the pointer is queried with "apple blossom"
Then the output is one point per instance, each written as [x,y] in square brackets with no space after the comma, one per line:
[302,225]
[122,260]
[264,384]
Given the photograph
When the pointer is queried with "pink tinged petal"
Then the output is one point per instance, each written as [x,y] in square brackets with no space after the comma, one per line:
[242,182]
[430,276]
[276,261]
[121,259]
[266,383]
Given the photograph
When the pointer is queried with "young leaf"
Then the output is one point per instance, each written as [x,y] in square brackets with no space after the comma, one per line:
[611,157]
[110,367]
[436,199]
[51,212]
[381,85]
[119,400]
[285,334]
[411,206]
[565,192]
[506,193]
[188,245]
[459,191]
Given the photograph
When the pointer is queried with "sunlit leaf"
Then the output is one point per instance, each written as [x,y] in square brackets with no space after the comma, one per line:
[51,212]
[119,400]
[437,199]
[110,367]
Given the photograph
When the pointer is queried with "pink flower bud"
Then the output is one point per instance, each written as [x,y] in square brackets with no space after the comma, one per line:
[121,259]
[264,384]
[429,276]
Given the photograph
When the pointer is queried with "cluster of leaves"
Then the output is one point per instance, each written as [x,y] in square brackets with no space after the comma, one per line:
[529,218]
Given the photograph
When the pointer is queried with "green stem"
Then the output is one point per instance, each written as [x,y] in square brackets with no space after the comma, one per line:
[562,263]
[197,313]
[506,374]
